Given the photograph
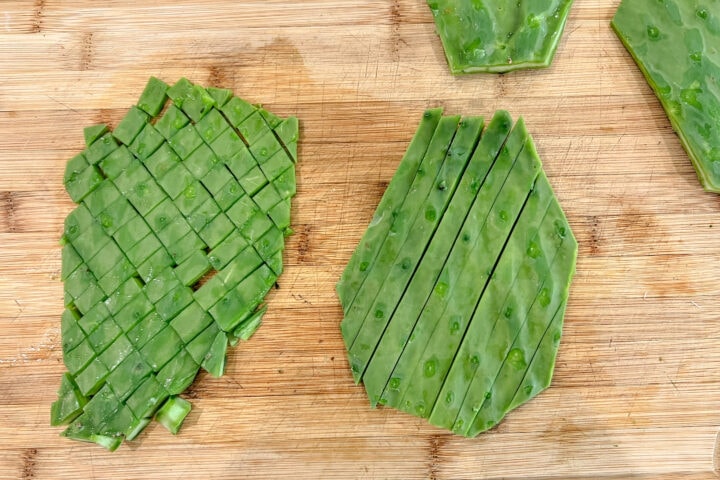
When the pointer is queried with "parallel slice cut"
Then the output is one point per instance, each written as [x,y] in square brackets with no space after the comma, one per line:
[470,329]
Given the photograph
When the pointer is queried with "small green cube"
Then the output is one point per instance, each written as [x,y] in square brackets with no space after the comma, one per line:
[176,180]
[253,181]
[267,197]
[253,128]
[128,375]
[176,229]
[143,331]
[241,162]
[185,141]
[103,261]
[70,261]
[130,126]
[227,144]
[161,284]
[270,243]
[94,317]
[76,222]
[143,250]
[210,292]
[211,125]
[217,230]
[216,178]
[153,96]
[125,292]
[79,184]
[256,227]
[265,147]
[200,345]
[90,379]
[100,149]
[174,302]
[116,215]
[280,214]
[91,241]
[237,110]
[193,268]
[228,249]
[172,121]
[161,348]
[192,198]
[181,249]
[190,322]
[202,216]
[162,215]
[104,335]
[146,398]
[77,358]
[220,95]
[161,161]
[178,373]
[93,132]
[116,352]
[285,183]
[276,165]
[133,312]
[115,277]
[134,174]
[89,297]
[239,267]
[229,194]
[157,262]
[131,233]
[201,161]
[115,163]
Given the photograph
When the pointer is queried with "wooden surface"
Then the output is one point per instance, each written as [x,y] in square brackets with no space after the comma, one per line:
[636,391]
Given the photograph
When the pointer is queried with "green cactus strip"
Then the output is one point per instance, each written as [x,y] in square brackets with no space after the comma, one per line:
[166,261]
[497,35]
[365,253]
[433,353]
[404,218]
[675,45]
[383,360]
[479,232]
[412,252]
[525,346]
[496,324]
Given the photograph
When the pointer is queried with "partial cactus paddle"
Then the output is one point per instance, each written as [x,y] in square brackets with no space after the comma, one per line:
[499,35]
[457,313]
[675,44]
[177,237]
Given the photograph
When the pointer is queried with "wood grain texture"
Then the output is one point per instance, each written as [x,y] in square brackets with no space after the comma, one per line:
[636,392]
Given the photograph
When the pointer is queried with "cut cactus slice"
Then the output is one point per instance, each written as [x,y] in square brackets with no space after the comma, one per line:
[497,35]
[176,240]
[470,327]
[675,45]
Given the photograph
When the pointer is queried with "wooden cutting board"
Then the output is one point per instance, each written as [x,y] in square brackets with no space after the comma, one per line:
[636,391]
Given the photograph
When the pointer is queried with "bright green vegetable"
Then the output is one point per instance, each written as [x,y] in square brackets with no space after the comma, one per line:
[404,266]
[414,205]
[365,253]
[473,322]
[497,35]
[383,359]
[675,45]
[159,280]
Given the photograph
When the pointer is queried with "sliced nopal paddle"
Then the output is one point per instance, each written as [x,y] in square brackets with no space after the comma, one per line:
[406,262]
[383,360]
[177,238]
[468,334]
[403,218]
[366,251]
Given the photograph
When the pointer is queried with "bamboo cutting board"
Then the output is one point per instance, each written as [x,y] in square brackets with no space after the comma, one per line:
[636,392]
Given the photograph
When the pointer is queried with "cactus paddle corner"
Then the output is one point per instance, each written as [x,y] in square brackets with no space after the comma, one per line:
[497,35]
[675,45]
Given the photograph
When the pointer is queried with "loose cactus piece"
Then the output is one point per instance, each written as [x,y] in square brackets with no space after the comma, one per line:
[168,256]
[675,45]
[467,321]
[497,35]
